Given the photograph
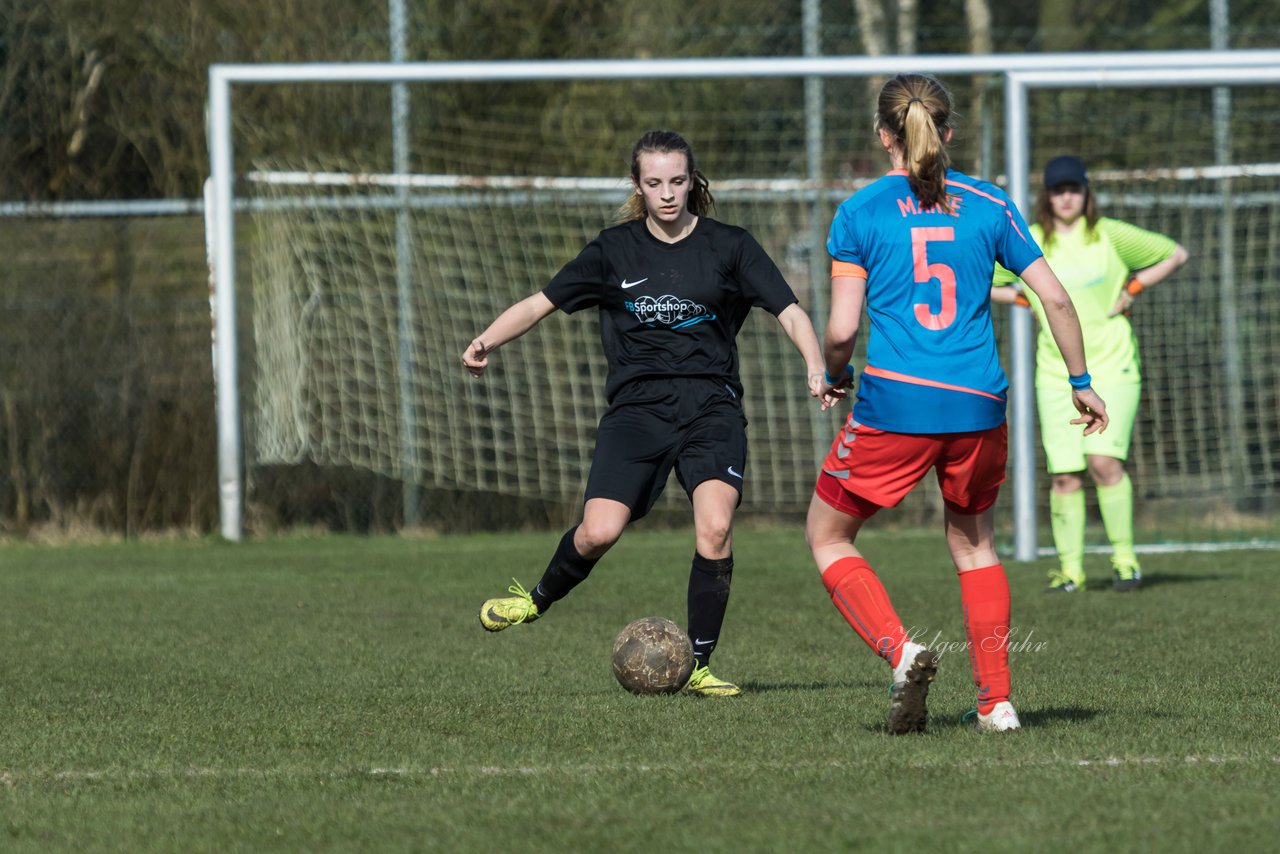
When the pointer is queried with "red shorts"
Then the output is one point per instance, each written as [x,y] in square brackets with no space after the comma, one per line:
[867,469]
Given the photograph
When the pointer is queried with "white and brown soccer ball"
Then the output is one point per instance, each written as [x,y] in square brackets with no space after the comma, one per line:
[652,655]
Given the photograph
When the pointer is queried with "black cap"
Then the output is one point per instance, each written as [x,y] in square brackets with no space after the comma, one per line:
[1065,170]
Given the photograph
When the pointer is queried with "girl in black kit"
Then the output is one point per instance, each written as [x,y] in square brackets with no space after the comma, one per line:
[673,288]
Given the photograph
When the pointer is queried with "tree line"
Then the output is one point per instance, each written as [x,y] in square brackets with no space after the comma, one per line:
[98,101]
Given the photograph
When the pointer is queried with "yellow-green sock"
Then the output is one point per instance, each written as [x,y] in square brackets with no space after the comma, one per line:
[1115,503]
[1067,514]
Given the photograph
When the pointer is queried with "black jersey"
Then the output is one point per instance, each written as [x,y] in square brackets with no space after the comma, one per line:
[671,309]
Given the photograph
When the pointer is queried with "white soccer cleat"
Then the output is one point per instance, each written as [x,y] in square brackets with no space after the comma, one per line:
[1003,718]
[910,650]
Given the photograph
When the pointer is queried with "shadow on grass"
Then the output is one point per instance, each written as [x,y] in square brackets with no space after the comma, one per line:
[766,687]
[939,722]
[1157,579]
[1058,714]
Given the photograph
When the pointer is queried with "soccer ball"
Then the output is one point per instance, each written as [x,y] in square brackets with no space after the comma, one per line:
[652,655]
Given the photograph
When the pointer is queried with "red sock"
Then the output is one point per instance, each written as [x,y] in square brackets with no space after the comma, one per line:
[984,599]
[861,599]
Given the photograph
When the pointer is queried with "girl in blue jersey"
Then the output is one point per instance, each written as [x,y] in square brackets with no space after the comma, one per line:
[672,288]
[918,248]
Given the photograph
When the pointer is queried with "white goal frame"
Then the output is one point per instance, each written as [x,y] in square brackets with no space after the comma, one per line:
[1017,165]
[1021,71]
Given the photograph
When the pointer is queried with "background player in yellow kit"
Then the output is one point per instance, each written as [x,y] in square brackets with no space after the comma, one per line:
[1104,264]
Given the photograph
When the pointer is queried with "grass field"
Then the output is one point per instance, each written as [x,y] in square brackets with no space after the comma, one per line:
[338,694]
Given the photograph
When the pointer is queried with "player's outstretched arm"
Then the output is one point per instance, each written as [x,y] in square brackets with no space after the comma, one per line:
[800,330]
[848,294]
[1060,315]
[508,326]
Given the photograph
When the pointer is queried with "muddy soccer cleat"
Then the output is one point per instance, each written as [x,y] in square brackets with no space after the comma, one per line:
[498,614]
[916,668]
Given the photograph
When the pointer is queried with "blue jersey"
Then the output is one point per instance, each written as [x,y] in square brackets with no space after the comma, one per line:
[932,364]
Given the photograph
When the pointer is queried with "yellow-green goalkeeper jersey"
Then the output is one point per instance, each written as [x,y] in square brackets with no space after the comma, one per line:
[1094,269]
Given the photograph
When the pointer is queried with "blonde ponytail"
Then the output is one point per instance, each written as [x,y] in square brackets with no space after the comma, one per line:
[917,111]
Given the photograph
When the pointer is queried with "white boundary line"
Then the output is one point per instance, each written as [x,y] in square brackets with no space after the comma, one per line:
[1175,548]
[11,778]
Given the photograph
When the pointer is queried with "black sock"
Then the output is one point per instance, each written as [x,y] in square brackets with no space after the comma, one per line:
[708,598]
[566,571]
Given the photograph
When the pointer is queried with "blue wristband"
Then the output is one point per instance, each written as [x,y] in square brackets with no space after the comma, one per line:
[830,380]
[1081,382]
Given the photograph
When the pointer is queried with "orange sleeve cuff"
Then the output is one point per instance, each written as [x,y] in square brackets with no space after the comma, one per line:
[846,268]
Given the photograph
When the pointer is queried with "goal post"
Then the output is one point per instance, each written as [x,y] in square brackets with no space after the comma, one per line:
[1227,67]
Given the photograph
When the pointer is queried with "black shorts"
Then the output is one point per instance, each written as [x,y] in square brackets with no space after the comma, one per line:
[694,425]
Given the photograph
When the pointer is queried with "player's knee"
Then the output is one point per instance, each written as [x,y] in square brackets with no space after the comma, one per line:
[1067,482]
[595,537]
[714,538]
[1106,471]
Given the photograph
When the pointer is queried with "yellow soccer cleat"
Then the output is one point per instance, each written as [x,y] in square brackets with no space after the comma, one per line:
[498,614]
[1063,582]
[702,683]
[1128,576]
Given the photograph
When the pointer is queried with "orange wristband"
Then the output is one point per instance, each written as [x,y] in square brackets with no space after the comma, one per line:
[1133,288]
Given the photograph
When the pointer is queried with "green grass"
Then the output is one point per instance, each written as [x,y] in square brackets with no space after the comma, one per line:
[338,694]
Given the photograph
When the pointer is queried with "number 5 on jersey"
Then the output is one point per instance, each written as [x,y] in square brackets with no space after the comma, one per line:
[926,272]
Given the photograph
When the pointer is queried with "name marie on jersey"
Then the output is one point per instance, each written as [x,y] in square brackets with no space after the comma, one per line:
[668,310]
[908,206]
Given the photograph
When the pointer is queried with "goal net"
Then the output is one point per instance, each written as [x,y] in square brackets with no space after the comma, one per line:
[360,285]
[353,370]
